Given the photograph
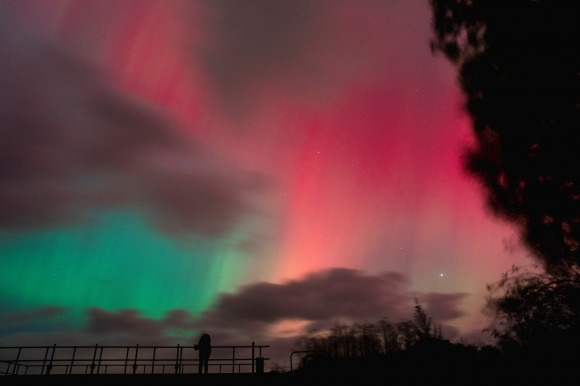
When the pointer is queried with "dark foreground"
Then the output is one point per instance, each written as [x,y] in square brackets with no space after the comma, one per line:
[408,375]
[142,379]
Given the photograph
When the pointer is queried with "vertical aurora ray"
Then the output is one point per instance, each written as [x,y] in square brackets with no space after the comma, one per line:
[364,166]
[118,262]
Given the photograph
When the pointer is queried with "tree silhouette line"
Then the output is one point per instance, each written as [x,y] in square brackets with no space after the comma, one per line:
[530,347]
[363,340]
[407,351]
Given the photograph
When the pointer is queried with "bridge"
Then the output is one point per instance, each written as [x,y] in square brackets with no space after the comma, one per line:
[33,361]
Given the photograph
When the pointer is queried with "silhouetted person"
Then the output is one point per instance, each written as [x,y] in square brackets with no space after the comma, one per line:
[204,348]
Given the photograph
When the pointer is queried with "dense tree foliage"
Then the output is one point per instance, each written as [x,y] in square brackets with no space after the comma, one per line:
[518,66]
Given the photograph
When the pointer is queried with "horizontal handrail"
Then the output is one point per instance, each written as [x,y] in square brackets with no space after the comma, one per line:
[45,360]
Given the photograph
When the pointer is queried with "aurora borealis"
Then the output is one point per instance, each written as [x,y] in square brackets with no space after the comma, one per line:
[242,166]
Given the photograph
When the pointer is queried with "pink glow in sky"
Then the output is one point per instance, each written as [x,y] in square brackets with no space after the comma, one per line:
[352,127]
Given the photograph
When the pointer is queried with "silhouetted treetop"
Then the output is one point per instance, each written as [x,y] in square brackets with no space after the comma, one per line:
[518,65]
[537,313]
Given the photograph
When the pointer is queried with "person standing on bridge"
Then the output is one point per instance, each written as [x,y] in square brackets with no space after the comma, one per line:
[204,348]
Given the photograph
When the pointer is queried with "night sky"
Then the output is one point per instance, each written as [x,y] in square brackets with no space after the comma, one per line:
[254,169]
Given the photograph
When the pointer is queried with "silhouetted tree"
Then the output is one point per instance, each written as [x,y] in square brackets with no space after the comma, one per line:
[389,336]
[422,321]
[344,341]
[406,334]
[518,66]
[536,314]
[408,352]
[370,339]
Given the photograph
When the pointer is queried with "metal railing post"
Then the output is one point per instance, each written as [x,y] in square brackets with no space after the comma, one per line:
[135,363]
[180,360]
[126,360]
[16,365]
[49,367]
[72,361]
[253,357]
[177,360]
[100,358]
[298,352]
[44,361]
[94,356]
[153,360]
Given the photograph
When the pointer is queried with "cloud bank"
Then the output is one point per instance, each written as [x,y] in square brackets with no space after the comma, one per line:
[72,143]
[265,313]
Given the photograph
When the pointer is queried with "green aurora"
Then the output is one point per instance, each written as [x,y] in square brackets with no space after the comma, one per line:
[117,262]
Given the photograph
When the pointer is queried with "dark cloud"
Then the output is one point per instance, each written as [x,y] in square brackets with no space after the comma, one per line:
[128,321]
[320,300]
[265,313]
[253,43]
[173,328]
[8,319]
[443,307]
[70,142]
[335,293]
[279,313]
[302,51]
[123,327]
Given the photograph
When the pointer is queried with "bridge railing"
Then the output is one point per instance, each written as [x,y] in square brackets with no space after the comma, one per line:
[45,360]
